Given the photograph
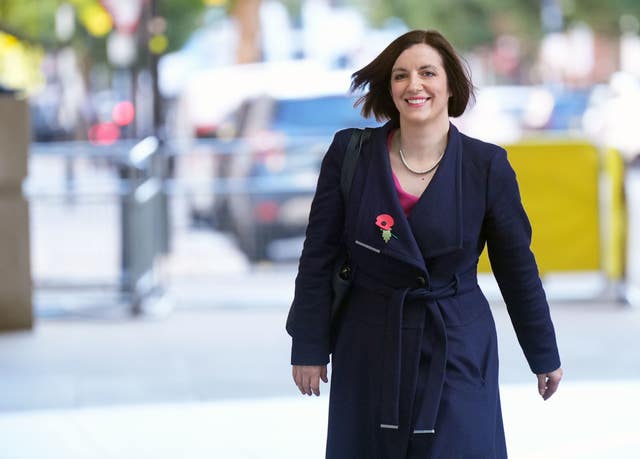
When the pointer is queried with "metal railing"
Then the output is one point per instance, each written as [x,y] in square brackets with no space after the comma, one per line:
[131,173]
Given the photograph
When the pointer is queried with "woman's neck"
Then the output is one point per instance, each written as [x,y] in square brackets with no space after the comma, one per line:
[423,142]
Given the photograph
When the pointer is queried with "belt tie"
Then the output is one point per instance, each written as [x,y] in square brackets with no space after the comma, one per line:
[392,346]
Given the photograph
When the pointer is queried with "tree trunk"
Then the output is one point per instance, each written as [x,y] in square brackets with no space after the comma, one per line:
[247,15]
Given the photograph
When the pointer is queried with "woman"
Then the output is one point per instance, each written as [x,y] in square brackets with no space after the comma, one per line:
[414,353]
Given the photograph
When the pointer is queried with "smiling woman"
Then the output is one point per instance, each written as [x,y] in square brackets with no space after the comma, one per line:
[414,352]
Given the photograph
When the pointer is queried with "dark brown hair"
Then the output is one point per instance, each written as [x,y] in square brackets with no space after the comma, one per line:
[377,76]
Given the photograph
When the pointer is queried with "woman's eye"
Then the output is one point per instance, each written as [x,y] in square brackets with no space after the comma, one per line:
[399,76]
[428,74]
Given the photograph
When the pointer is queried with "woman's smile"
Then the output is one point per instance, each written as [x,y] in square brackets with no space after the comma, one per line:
[417,101]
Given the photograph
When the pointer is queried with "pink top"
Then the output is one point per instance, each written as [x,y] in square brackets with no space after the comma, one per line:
[407,200]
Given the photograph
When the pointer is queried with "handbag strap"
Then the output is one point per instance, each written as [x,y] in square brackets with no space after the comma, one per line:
[358,137]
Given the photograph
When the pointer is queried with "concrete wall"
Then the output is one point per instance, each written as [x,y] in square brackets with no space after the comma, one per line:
[16,310]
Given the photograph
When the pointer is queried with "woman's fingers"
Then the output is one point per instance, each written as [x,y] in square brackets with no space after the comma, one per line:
[301,379]
[323,373]
[548,383]
[314,384]
[553,381]
[542,384]
[307,378]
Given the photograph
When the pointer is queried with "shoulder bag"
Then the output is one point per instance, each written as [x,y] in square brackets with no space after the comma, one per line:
[341,281]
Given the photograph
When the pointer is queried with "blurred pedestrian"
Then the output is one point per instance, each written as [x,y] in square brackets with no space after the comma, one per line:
[414,352]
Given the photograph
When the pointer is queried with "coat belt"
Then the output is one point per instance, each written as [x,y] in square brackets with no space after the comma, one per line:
[392,346]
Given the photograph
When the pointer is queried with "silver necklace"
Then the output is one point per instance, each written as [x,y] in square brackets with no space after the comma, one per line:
[417,172]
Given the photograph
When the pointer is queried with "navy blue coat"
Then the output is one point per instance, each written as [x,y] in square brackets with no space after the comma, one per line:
[414,352]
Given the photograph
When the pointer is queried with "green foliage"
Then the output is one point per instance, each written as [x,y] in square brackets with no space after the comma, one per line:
[31,19]
[35,19]
[294,7]
[183,17]
[466,23]
[470,23]
[602,16]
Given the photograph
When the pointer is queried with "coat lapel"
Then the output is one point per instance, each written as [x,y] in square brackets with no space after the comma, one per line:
[436,220]
[379,197]
[434,226]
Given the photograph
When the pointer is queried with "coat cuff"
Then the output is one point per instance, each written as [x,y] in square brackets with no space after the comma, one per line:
[545,365]
[306,353]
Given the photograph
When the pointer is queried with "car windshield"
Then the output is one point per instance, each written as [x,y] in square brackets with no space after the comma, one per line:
[321,115]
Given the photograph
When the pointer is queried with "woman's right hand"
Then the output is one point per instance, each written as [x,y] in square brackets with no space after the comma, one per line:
[307,378]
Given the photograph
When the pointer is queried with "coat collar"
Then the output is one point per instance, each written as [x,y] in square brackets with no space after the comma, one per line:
[434,226]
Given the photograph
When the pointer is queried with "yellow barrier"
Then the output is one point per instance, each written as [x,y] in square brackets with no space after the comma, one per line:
[559,183]
[614,215]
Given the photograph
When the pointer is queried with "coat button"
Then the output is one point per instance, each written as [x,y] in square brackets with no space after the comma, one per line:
[421,281]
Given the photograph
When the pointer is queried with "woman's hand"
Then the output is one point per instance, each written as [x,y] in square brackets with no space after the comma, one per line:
[307,378]
[548,383]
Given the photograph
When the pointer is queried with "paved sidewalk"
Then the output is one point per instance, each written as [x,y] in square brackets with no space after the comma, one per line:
[584,421]
[216,384]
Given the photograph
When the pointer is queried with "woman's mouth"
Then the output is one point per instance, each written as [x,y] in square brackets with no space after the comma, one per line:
[417,101]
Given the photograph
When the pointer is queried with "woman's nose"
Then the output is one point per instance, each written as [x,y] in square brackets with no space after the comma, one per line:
[414,83]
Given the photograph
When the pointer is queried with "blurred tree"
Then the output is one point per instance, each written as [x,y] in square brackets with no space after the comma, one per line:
[294,7]
[470,23]
[603,17]
[183,17]
[24,31]
[35,21]
[466,23]
[32,22]
[247,15]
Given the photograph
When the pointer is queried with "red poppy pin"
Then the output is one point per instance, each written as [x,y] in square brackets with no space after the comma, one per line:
[385,223]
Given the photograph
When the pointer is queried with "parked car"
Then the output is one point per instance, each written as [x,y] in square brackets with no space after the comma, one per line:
[285,139]
[506,114]
[45,123]
[216,107]
[568,109]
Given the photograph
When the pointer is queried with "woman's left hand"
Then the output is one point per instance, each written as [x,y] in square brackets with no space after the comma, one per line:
[548,383]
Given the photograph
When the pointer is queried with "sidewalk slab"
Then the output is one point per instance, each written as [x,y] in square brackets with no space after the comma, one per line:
[582,421]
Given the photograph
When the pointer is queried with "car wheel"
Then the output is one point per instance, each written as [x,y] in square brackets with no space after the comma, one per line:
[253,244]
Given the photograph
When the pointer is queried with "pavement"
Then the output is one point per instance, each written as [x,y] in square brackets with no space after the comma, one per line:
[215,383]
[295,428]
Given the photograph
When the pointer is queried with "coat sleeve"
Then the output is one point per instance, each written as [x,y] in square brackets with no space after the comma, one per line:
[508,234]
[308,322]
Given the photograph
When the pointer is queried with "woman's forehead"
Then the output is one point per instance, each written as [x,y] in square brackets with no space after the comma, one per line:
[418,56]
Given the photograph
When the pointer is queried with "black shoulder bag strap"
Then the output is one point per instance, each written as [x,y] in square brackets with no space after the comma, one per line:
[341,282]
[358,137]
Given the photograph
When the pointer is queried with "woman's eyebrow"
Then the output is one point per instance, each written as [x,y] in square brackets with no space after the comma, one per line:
[423,67]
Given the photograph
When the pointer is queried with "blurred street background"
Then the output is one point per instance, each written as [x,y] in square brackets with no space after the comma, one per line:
[157,164]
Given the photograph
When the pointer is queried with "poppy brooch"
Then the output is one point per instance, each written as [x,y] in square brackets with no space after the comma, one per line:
[385,223]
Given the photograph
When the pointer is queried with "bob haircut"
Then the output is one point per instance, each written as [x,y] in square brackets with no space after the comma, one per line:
[377,76]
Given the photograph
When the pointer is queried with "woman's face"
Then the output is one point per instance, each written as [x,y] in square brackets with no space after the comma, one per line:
[419,85]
